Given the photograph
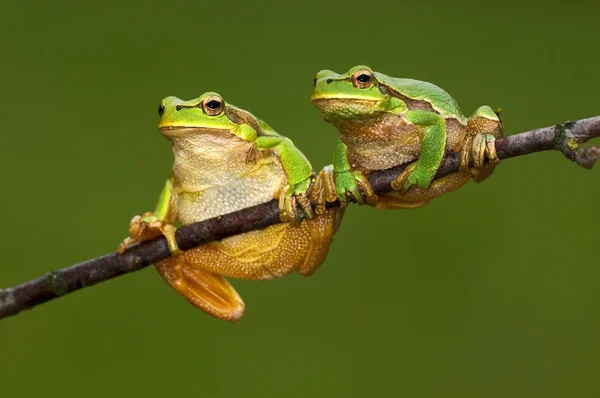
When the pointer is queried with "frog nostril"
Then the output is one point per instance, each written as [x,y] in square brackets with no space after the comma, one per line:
[329,81]
[178,107]
[315,82]
[161,109]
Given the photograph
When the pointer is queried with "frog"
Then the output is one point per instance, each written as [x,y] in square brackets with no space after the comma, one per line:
[226,159]
[384,122]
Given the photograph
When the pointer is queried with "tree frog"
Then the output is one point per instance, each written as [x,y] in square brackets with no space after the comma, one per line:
[225,159]
[384,122]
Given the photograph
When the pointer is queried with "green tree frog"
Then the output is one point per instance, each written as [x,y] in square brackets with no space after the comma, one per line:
[384,122]
[225,159]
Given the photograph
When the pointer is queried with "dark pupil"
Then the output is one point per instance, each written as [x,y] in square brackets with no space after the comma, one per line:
[363,78]
[161,109]
[213,104]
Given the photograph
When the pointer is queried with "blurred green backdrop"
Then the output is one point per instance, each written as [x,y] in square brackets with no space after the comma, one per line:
[490,291]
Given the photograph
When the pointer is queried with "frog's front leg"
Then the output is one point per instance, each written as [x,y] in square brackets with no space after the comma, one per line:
[483,128]
[298,171]
[151,225]
[433,146]
[349,183]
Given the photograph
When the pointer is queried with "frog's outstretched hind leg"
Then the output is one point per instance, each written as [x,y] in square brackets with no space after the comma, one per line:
[207,291]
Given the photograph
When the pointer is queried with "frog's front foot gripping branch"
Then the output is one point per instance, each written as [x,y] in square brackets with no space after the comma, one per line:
[292,197]
[323,190]
[564,137]
[146,227]
[348,186]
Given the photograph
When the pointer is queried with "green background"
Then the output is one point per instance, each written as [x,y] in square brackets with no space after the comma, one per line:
[491,291]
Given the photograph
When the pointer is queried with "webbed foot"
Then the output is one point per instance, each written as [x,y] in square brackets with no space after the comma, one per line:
[206,290]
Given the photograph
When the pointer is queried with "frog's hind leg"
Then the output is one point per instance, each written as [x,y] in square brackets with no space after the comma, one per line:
[417,197]
[208,291]
[390,202]
[483,127]
[255,255]
[271,252]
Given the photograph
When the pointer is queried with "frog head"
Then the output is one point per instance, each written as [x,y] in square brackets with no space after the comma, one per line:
[355,95]
[207,114]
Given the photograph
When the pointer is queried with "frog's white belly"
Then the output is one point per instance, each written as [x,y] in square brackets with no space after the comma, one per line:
[216,175]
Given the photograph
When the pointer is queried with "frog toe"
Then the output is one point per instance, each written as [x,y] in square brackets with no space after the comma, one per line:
[398,183]
[287,207]
[478,151]
[465,154]
[490,145]
[207,291]
[366,191]
[304,202]
[403,182]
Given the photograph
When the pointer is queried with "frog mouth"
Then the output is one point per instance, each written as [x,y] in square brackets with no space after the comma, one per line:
[345,107]
[170,131]
[340,97]
[345,100]
[178,131]
[188,132]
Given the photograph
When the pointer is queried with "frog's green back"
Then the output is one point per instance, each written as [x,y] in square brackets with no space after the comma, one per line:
[420,90]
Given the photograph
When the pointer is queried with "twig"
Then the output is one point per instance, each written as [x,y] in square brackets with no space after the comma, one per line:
[563,137]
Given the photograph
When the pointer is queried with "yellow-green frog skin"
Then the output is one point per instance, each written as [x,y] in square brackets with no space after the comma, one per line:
[227,160]
[384,122]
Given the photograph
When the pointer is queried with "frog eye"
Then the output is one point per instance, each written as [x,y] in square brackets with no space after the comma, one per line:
[212,105]
[362,78]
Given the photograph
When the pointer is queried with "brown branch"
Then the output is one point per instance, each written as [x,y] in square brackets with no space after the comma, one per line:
[563,137]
